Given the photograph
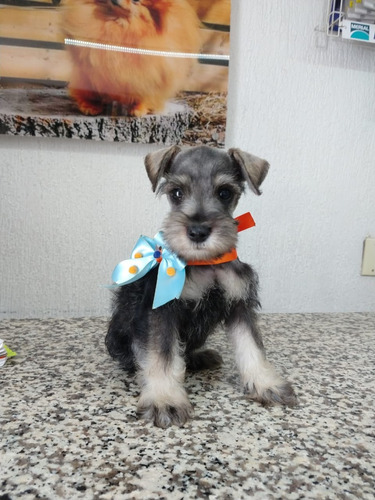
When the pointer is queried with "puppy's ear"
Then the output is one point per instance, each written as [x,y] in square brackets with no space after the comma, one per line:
[253,169]
[158,163]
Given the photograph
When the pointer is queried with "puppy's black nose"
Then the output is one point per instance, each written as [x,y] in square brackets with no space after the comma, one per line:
[198,233]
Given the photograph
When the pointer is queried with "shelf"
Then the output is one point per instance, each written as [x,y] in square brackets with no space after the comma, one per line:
[352,20]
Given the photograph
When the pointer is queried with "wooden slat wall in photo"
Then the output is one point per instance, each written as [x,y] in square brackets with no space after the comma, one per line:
[25,63]
[30,3]
[31,24]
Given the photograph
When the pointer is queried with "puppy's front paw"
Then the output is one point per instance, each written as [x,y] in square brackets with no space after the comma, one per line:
[165,415]
[281,393]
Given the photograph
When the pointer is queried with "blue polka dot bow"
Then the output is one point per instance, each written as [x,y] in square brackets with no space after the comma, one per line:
[147,254]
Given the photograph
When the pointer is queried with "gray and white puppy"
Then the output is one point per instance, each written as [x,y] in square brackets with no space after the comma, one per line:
[203,186]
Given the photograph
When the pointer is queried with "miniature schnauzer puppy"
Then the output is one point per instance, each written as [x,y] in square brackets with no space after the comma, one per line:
[203,186]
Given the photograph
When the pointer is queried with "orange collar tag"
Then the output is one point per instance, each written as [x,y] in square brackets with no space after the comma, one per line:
[245,221]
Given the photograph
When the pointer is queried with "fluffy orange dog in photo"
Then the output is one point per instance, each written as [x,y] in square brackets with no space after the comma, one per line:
[142,83]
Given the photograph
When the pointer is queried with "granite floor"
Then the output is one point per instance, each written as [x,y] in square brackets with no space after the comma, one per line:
[69,428]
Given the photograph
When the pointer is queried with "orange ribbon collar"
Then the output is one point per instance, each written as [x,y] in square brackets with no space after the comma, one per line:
[245,221]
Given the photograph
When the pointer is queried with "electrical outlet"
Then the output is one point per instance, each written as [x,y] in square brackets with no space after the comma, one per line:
[368,257]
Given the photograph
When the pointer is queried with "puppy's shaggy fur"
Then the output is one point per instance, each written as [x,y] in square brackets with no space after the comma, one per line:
[203,186]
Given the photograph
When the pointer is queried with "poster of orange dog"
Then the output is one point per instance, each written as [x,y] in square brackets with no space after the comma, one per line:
[120,70]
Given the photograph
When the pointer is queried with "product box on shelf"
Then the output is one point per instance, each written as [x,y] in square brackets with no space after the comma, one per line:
[357,30]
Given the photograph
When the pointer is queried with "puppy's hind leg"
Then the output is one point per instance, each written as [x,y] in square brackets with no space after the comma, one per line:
[260,379]
[161,372]
[119,341]
[207,359]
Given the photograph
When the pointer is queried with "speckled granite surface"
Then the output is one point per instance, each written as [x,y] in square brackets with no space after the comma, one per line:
[69,429]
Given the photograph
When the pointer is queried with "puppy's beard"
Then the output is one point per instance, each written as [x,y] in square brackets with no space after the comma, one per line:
[222,239]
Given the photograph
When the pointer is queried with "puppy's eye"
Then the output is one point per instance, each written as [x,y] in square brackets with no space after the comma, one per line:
[225,194]
[177,195]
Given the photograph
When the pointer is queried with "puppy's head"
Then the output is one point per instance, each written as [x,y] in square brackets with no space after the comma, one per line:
[203,186]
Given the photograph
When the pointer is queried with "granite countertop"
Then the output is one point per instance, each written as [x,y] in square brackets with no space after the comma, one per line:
[69,427]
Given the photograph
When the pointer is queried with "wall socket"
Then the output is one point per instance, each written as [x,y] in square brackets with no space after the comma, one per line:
[368,257]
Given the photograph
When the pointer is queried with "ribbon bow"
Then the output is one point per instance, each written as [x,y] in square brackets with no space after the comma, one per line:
[147,254]
[151,252]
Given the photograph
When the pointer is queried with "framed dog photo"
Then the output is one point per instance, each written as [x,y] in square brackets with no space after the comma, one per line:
[145,71]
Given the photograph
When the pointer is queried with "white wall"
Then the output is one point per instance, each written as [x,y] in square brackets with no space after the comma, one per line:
[70,210]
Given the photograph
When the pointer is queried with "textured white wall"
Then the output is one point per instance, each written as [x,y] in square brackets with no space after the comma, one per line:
[70,210]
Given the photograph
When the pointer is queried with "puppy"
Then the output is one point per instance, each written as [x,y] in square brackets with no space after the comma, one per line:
[142,83]
[203,186]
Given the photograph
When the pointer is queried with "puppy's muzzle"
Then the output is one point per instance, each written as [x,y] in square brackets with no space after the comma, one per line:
[198,233]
